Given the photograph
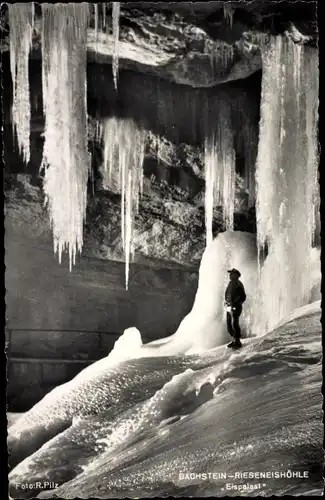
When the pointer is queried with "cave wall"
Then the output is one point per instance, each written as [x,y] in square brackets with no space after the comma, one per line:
[42,294]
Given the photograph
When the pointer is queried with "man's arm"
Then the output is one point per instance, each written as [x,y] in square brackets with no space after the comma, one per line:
[242,293]
[228,295]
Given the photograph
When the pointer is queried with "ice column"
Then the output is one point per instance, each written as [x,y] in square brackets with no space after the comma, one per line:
[220,163]
[286,177]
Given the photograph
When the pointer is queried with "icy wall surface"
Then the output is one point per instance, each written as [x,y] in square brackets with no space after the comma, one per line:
[286,176]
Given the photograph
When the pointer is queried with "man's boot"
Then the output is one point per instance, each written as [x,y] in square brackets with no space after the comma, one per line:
[231,344]
[237,343]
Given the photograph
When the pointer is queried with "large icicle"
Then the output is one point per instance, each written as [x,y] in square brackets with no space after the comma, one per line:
[96,23]
[104,15]
[285,177]
[227,164]
[124,147]
[116,34]
[220,163]
[65,153]
[210,156]
[248,141]
[21,19]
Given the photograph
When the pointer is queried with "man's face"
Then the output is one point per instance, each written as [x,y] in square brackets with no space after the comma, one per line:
[233,276]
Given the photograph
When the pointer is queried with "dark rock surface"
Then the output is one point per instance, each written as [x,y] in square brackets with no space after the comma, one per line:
[200,44]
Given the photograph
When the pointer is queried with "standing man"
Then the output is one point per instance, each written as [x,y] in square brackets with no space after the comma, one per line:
[235,296]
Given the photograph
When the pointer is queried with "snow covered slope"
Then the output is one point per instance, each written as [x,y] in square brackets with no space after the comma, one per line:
[157,425]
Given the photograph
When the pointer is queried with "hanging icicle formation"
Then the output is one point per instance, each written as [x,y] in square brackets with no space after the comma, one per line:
[96,23]
[65,153]
[286,177]
[116,34]
[221,57]
[124,147]
[246,119]
[228,14]
[21,20]
[250,134]
[311,83]
[104,15]
[220,165]
[210,155]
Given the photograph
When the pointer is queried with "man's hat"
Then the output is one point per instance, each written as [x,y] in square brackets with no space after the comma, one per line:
[235,271]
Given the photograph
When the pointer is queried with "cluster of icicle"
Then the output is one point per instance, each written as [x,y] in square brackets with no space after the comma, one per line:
[116,8]
[21,20]
[221,56]
[65,155]
[286,176]
[220,163]
[65,152]
[124,149]
[228,14]
[247,118]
